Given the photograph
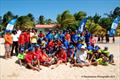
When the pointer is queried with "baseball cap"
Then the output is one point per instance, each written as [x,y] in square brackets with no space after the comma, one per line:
[7,31]
[30,49]
[22,49]
[37,45]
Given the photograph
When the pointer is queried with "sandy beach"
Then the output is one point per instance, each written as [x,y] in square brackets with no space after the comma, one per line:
[9,70]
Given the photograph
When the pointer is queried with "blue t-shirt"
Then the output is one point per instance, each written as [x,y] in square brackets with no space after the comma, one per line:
[90,47]
[75,38]
[49,36]
[79,46]
[66,44]
[87,37]
[61,37]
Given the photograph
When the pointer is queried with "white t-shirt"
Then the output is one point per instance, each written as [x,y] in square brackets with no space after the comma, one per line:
[31,34]
[19,32]
[83,56]
[15,37]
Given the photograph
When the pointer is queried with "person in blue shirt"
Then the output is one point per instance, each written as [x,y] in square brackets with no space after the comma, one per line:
[90,47]
[79,45]
[49,36]
[71,54]
[75,38]
[87,37]
[89,51]
[66,44]
[61,37]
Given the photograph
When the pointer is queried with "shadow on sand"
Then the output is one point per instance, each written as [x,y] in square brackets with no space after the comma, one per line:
[2,57]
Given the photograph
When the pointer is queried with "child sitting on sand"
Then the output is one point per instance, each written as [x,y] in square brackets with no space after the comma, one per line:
[21,56]
[107,54]
[82,58]
[102,61]
[89,51]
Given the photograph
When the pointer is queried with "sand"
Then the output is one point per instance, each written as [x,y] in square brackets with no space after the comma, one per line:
[9,70]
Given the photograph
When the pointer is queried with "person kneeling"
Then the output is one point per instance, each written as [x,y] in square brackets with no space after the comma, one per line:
[32,60]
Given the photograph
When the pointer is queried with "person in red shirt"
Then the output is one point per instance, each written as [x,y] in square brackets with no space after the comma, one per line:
[61,57]
[68,37]
[31,59]
[59,43]
[51,44]
[21,40]
[42,56]
[50,47]
[27,40]
[41,35]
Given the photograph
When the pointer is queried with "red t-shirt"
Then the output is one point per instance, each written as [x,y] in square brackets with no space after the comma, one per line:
[68,37]
[27,37]
[21,39]
[38,52]
[59,43]
[29,57]
[51,44]
[41,35]
[62,55]
[43,57]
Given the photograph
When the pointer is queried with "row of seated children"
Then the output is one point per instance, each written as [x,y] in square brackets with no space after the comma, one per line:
[78,56]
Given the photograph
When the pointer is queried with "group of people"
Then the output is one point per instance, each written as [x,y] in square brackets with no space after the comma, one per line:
[34,48]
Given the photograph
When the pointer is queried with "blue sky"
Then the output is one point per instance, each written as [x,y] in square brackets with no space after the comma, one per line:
[51,8]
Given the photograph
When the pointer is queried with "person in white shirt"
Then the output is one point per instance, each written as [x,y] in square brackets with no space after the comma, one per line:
[15,37]
[19,32]
[81,58]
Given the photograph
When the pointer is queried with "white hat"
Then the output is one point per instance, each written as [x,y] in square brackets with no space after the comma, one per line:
[83,47]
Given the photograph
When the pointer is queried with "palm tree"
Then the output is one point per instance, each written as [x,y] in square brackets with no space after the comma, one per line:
[7,17]
[80,15]
[31,16]
[66,20]
[24,22]
[41,20]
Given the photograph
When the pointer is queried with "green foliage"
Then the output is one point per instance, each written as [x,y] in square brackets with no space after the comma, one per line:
[80,15]
[31,16]
[116,11]
[49,21]
[92,27]
[24,22]
[66,20]
[106,23]
[7,17]
[41,20]
[96,18]
[113,14]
